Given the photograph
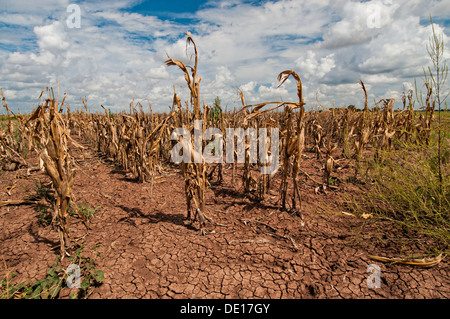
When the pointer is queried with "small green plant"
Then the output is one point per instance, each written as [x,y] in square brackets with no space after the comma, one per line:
[41,191]
[47,288]
[85,212]
[56,278]
[92,277]
[332,181]
[214,113]
[6,289]
[43,215]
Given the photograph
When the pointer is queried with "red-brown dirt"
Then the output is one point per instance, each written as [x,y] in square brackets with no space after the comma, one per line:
[251,250]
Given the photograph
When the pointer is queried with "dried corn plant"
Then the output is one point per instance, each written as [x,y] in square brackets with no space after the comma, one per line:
[155,140]
[384,130]
[363,133]
[423,128]
[215,119]
[294,142]
[292,133]
[329,162]
[110,145]
[194,171]
[14,140]
[52,134]
[347,128]
[249,148]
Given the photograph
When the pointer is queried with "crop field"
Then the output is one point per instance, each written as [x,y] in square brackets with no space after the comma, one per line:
[269,200]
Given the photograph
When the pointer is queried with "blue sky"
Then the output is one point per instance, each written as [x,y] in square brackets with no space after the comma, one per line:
[118,52]
[177,10]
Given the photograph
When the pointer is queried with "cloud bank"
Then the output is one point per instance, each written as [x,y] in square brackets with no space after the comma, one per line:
[118,54]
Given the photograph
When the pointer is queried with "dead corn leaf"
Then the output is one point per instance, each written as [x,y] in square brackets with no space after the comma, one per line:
[347,214]
[16,202]
[365,216]
[8,189]
[422,262]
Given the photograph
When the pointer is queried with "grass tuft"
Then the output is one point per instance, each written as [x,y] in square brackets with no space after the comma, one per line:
[406,188]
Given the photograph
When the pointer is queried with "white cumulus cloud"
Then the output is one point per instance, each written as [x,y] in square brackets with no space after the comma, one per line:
[118,54]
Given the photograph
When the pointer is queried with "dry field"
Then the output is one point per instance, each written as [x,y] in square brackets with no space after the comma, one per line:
[100,190]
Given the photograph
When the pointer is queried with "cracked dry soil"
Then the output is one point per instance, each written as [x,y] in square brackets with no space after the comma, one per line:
[251,250]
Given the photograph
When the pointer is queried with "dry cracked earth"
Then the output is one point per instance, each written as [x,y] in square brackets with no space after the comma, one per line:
[251,250]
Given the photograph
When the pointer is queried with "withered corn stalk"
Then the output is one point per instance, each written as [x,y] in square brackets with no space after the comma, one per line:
[14,141]
[294,142]
[363,134]
[194,171]
[155,141]
[52,134]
